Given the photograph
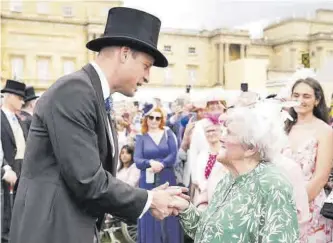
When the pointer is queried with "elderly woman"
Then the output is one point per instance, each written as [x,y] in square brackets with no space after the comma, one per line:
[253,202]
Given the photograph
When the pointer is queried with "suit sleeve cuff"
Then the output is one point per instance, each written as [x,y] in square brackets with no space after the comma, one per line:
[7,167]
[148,203]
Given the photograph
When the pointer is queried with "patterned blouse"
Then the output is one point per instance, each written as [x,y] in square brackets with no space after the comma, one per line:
[257,207]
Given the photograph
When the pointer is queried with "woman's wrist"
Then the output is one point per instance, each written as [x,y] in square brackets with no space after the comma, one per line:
[185,210]
[184,146]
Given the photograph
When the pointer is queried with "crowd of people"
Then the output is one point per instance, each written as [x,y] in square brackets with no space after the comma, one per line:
[255,170]
[199,145]
[180,144]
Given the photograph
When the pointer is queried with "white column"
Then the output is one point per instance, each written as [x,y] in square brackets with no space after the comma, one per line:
[226,52]
[319,54]
[242,51]
[292,57]
[91,55]
[221,64]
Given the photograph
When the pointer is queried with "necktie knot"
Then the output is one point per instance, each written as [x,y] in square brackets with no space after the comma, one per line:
[14,118]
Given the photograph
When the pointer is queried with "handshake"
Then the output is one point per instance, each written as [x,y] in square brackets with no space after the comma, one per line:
[168,201]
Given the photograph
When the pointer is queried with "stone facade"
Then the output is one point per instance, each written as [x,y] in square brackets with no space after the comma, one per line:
[40,41]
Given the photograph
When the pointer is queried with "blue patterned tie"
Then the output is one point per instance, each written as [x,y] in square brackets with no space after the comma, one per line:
[109,105]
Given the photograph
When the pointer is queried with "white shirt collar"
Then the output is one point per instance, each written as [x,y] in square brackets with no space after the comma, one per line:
[104,82]
[7,112]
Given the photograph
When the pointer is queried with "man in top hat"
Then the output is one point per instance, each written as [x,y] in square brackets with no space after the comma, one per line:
[30,99]
[68,178]
[13,136]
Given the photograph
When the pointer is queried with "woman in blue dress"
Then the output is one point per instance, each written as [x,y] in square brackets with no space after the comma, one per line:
[155,156]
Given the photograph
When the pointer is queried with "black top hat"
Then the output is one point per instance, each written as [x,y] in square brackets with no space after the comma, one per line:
[132,28]
[14,87]
[30,94]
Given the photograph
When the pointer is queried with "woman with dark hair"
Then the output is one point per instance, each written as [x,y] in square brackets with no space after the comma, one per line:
[310,145]
[127,170]
[330,110]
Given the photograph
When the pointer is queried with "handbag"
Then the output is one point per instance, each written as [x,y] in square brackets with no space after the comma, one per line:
[327,209]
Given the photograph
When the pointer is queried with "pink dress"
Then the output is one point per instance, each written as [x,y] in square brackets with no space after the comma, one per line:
[318,229]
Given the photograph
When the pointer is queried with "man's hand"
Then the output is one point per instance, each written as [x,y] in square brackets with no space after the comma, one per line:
[183,190]
[156,166]
[10,177]
[162,204]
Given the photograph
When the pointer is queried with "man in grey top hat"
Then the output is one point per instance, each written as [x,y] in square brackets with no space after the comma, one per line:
[68,177]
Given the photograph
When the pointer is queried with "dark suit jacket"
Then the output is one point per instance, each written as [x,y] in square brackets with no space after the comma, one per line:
[26,119]
[67,179]
[8,141]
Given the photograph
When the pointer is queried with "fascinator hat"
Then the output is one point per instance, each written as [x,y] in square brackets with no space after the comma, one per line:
[211,119]
[148,108]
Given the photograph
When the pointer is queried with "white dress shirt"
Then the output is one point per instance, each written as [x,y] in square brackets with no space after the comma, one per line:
[106,94]
[17,132]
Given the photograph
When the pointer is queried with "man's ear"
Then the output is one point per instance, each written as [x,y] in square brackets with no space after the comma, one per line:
[124,53]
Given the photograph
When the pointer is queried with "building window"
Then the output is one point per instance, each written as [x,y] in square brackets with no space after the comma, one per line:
[16,5]
[69,66]
[43,65]
[192,74]
[17,67]
[167,48]
[168,74]
[42,7]
[306,60]
[67,11]
[191,50]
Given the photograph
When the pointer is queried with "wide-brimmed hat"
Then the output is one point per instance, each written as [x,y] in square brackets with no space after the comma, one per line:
[14,87]
[133,28]
[30,94]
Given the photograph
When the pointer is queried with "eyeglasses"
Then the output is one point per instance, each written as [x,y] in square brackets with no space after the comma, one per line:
[157,118]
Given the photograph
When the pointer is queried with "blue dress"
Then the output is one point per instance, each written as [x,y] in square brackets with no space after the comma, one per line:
[151,230]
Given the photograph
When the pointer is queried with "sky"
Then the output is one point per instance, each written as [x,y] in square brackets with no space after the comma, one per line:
[212,14]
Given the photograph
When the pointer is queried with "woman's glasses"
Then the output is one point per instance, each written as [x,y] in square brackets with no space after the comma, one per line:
[157,118]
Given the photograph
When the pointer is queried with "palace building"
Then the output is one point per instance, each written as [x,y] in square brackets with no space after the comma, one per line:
[42,40]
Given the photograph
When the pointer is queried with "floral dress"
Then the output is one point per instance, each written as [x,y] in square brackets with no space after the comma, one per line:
[319,229]
[256,207]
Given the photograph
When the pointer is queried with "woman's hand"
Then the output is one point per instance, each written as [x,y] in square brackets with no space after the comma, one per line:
[178,205]
[156,166]
[187,135]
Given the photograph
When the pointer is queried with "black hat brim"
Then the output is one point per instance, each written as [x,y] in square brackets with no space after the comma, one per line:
[31,98]
[13,91]
[99,43]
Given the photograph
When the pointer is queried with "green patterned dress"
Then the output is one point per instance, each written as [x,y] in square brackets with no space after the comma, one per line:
[253,208]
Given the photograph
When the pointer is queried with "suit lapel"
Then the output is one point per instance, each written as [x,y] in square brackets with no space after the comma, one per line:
[7,127]
[98,88]
[24,129]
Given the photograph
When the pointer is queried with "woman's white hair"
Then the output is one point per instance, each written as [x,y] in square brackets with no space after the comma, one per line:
[262,127]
